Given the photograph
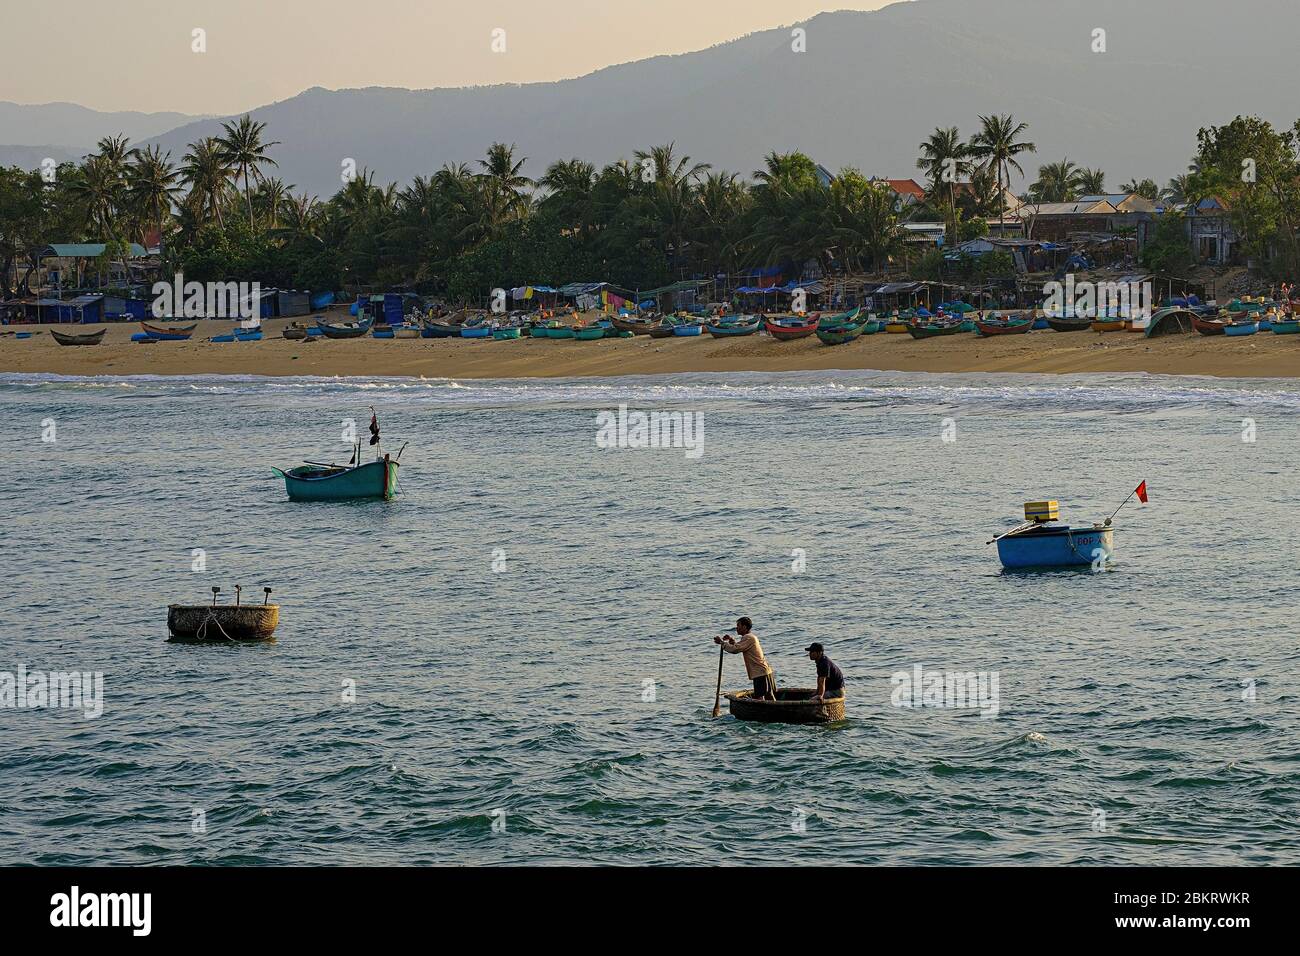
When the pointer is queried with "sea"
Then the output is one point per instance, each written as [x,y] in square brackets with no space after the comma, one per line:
[513,661]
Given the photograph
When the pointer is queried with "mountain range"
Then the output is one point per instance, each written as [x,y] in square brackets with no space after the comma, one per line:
[869,87]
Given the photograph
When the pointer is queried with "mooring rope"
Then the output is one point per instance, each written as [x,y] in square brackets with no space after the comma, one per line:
[201,633]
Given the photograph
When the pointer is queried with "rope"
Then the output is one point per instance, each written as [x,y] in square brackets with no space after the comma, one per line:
[203,627]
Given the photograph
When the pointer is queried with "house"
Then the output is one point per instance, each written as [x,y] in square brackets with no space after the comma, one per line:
[1054,221]
[64,265]
[1210,231]
[926,233]
[907,192]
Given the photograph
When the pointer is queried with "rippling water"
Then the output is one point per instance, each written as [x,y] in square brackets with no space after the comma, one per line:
[568,693]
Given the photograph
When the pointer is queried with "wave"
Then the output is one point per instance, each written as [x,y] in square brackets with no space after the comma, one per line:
[1104,393]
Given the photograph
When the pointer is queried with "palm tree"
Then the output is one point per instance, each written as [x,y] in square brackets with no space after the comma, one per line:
[945,158]
[153,183]
[299,217]
[671,193]
[1091,182]
[1057,182]
[1147,188]
[503,185]
[207,172]
[269,199]
[1181,189]
[243,149]
[100,190]
[997,145]
[570,183]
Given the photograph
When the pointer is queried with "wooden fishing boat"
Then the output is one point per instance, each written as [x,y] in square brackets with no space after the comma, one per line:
[511,332]
[1108,325]
[433,329]
[1208,326]
[1241,328]
[173,333]
[561,332]
[688,328]
[476,331]
[84,338]
[793,705]
[589,333]
[1288,326]
[318,482]
[787,329]
[222,622]
[662,330]
[344,330]
[722,330]
[896,326]
[296,331]
[839,334]
[406,332]
[1069,325]
[1003,326]
[932,331]
[871,326]
[841,319]
[637,326]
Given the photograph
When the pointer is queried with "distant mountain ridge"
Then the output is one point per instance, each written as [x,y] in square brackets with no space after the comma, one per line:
[871,86]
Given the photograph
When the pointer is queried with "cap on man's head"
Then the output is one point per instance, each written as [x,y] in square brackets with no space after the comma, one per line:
[814,647]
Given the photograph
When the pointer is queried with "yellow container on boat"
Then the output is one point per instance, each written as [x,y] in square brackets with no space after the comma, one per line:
[1042,511]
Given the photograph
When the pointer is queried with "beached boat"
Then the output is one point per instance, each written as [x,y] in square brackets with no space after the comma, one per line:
[932,331]
[476,331]
[1108,325]
[839,334]
[222,622]
[561,332]
[589,333]
[318,482]
[638,326]
[786,328]
[1241,328]
[382,332]
[433,329]
[1287,326]
[1069,325]
[510,332]
[406,332]
[1010,326]
[166,333]
[897,326]
[343,330]
[1208,326]
[84,338]
[840,320]
[720,330]
[793,705]
[688,328]
[295,331]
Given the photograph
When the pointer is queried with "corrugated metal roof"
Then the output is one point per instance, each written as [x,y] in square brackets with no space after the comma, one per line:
[86,250]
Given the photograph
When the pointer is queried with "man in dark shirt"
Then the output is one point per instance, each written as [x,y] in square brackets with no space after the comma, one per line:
[830,679]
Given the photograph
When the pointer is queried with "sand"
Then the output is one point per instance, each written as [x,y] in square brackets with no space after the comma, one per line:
[1261,355]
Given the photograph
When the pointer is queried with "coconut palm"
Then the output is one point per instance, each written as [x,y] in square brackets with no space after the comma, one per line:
[207,172]
[1057,182]
[1091,182]
[670,194]
[153,183]
[503,186]
[996,146]
[243,149]
[945,158]
[1146,188]
[569,183]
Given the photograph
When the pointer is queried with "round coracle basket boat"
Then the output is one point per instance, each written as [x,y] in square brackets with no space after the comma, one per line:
[222,622]
[793,705]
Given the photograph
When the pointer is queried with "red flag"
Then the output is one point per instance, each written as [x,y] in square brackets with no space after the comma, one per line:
[1141,492]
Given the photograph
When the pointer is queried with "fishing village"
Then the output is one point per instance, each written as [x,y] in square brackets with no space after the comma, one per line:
[764,269]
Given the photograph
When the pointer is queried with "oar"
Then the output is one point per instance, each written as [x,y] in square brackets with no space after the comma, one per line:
[717,698]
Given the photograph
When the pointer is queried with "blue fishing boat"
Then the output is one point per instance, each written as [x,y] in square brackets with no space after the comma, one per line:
[1042,543]
[476,332]
[319,482]
[343,330]
[1241,328]
[690,329]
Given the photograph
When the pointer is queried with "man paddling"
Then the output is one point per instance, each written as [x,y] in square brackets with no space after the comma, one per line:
[756,666]
[830,679]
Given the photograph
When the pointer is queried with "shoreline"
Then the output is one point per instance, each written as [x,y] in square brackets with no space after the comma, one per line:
[1264,355]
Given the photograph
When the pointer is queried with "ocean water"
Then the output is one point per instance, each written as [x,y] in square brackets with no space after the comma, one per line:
[527,629]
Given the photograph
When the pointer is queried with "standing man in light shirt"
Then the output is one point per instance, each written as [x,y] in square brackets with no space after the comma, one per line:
[756,666]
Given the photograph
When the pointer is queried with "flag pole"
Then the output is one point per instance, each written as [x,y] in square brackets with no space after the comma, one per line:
[1123,503]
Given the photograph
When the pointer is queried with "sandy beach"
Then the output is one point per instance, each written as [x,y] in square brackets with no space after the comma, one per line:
[1264,355]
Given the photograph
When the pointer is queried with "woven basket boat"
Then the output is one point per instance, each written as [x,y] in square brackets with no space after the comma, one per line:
[222,622]
[794,705]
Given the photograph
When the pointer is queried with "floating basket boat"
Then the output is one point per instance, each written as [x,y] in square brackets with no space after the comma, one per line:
[793,705]
[223,622]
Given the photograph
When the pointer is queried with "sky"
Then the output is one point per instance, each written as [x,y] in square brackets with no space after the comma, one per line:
[141,54]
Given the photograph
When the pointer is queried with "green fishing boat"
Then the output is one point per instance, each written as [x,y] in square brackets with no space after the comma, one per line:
[841,320]
[589,333]
[511,333]
[318,482]
[562,332]
[839,334]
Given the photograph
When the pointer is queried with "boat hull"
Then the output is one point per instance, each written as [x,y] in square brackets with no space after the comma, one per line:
[89,338]
[376,479]
[1056,548]
[723,331]
[787,333]
[794,705]
[222,622]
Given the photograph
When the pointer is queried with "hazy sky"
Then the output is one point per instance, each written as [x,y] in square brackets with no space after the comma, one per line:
[137,55]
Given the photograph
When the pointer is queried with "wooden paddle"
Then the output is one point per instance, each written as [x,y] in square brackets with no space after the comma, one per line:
[717,698]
